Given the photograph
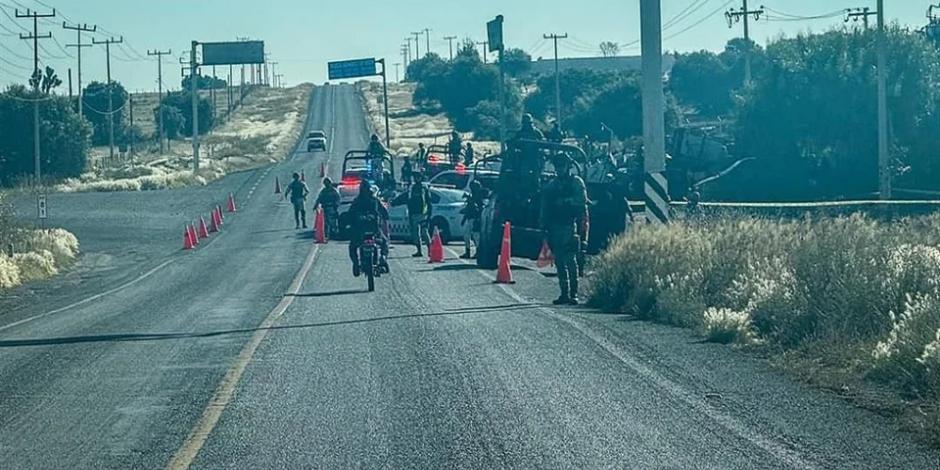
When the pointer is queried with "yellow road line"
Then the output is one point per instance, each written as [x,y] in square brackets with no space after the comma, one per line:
[187,453]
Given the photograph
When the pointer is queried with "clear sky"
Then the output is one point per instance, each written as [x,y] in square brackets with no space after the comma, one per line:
[302,35]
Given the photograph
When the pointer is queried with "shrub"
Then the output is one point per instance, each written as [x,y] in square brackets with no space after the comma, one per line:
[34,266]
[930,359]
[60,244]
[9,273]
[904,354]
[723,325]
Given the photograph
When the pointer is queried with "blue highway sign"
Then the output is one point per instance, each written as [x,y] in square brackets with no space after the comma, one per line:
[352,68]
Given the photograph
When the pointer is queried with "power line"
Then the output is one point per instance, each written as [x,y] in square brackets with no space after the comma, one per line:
[707,17]
[79,29]
[735,16]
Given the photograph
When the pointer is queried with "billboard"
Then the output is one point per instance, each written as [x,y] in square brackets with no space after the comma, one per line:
[352,68]
[232,53]
[494,34]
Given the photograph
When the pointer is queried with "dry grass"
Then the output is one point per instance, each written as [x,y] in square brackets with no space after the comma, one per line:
[262,131]
[48,252]
[870,290]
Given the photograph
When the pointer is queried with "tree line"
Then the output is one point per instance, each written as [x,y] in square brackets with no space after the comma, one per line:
[808,118]
[66,139]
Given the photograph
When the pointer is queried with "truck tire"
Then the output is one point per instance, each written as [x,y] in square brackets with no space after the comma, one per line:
[488,251]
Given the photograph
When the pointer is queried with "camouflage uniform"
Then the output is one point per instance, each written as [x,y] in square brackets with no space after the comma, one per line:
[564,203]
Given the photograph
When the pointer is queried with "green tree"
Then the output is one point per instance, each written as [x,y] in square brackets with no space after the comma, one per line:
[609,49]
[65,139]
[96,110]
[516,62]
[205,83]
[703,80]
[812,116]
[576,84]
[182,102]
[173,121]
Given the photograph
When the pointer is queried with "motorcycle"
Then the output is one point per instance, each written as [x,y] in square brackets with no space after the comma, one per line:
[369,259]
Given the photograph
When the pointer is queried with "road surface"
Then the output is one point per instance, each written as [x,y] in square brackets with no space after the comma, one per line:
[260,350]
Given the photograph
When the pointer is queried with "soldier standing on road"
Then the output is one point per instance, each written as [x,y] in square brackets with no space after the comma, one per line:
[407,169]
[377,153]
[472,214]
[563,204]
[419,214]
[297,192]
[455,147]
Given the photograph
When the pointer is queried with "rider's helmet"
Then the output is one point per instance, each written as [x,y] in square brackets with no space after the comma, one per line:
[475,186]
[365,187]
[296,176]
[375,138]
[526,119]
[327,182]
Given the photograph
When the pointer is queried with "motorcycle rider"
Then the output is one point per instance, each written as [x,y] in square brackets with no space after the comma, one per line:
[297,191]
[329,199]
[365,215]
[563,205]
[376,152]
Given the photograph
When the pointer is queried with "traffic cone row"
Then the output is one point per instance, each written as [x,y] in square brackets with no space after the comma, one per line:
[200,230]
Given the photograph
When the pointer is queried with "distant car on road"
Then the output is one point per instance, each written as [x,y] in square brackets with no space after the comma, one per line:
[446,205]
[316,140]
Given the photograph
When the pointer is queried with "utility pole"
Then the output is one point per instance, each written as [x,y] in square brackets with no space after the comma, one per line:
[397,71]
[450,45]
[273,73]
[427,38]
[417,44]
[213,95]
[194,91]
[159,55]
[231,89]
[407,50]
[734,16]
[107,47]
[654,128]
[884,171]
[79,29]
[485,45]
[130,101]
[388,132]
[37,79]
[404,57]
[555,37]
[853,14]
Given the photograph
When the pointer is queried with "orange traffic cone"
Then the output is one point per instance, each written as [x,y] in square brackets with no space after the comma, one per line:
[303,177]
[192,234]
[277,185]
[436,250]
[319,228]
[322,170]
[218,210]
[504,272]
[214,222]
[231,202]
[203,228]
[187,240]
[546,257]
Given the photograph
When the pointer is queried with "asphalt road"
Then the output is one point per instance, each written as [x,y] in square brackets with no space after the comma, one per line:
[260,350]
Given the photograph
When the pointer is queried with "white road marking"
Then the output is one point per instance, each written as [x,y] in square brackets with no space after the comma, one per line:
[186,454]
[92,298]
[729,422]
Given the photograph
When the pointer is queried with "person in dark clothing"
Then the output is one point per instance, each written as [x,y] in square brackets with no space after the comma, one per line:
[419,214]
[377,153]
[407,169]
[472,214]
[297,192]
[455,147]
[564,202]
[556,135]
[329,199]
[528,130]
[468,155]
[365,216]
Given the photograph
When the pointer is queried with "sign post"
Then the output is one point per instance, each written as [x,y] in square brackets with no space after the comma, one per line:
[42,209]
[494,36]
[357,68]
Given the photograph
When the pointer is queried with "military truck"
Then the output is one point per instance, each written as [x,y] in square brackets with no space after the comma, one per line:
[524,170]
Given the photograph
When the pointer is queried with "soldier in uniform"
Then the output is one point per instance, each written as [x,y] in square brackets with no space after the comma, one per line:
[377,153]
[455,147]
[564,202]
[556,135]
[528,130]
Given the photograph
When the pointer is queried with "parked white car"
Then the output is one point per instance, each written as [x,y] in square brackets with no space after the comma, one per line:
[461,180]
[446,205]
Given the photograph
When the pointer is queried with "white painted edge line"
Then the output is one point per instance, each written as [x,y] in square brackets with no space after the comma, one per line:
[92,298]
[189,450]
[777,450]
